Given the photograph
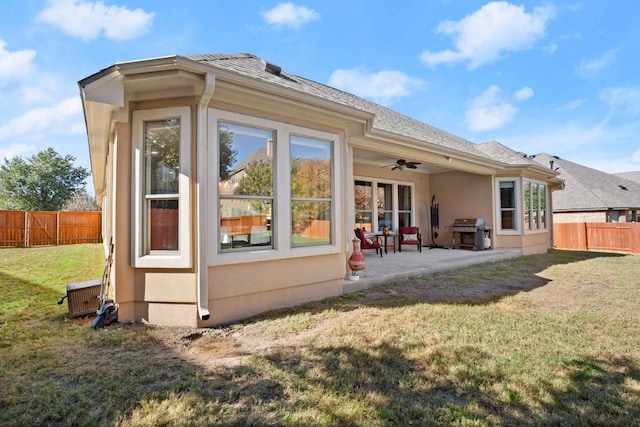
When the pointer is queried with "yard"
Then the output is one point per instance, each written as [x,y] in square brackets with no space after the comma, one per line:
[548,339]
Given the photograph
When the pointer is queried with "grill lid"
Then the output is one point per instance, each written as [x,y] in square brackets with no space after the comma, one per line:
[468,222]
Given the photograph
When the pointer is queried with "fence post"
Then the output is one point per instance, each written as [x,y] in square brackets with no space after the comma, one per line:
[58,228]
[26,229]
[586,236]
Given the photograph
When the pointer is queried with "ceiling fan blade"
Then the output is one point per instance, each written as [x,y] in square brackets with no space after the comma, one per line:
[411,166]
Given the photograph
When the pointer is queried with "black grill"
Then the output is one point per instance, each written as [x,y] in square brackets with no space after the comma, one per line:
[471,232]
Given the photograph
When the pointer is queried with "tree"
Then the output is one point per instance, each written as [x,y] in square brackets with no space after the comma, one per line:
[81,201]
[43,182]
[227,153]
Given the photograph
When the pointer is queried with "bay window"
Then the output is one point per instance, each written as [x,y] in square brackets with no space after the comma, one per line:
[512,210]
[275,192]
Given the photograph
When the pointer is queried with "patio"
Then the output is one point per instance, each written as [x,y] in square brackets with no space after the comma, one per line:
[411,263]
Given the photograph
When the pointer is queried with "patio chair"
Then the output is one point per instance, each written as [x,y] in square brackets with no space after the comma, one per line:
[368,242]
[410,236]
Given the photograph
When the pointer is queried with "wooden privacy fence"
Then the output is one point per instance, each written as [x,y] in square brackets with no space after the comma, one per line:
[19,228]
[598,236]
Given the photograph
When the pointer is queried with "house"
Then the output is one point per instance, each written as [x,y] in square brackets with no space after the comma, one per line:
[591,195]
[633,176]
[202,236]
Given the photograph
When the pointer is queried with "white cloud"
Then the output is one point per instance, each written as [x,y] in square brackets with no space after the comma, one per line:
[493,108]
[16,65]
[383,87]
[289,15]
[572,105]
[623,98]
[64,118]
[480,38]
[87,19]
[16,150]
[596,65]
[523,94]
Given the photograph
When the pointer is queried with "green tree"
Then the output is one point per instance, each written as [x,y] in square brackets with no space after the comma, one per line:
[227,153]
[43,182]
[81,201]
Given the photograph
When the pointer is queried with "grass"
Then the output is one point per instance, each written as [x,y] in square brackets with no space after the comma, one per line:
[549,339]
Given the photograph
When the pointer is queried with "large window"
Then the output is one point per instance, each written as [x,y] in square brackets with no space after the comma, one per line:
[246,186]
[275,192]
[161,159]
[393,207]
[311,200]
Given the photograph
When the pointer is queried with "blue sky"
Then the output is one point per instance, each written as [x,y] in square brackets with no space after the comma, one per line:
[558,77]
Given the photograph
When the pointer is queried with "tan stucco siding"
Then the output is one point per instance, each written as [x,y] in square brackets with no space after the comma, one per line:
[461,195]
[242,290]
[141,294]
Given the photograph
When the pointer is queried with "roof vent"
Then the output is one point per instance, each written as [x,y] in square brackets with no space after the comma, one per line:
[622,187]
[272,68]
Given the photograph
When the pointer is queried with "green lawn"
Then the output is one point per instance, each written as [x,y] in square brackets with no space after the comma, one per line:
[549,339]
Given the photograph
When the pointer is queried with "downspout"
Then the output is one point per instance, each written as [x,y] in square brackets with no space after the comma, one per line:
[201,199]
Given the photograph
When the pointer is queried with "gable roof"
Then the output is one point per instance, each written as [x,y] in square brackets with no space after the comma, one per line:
[588,189]
[385,119]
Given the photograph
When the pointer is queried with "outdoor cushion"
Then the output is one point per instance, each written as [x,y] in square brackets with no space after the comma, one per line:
[410,237]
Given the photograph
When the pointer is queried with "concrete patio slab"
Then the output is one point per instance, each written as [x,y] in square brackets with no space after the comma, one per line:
[411,263]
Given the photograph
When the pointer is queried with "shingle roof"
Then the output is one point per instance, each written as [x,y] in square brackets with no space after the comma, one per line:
[590,189]
[385,119]
[633,176]
[500,152]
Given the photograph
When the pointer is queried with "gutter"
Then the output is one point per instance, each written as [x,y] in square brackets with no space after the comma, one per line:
[201,192]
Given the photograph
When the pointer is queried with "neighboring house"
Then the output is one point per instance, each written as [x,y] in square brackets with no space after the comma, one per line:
[590,195]
[195,246]
[633,176]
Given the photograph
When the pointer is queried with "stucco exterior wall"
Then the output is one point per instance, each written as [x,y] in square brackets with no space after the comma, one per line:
[462,195]
[243,290]
[162,297]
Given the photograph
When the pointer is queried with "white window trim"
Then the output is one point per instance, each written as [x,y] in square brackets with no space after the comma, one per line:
[282,248]
[395,215]
[519,212]
[142,258]
[545,229]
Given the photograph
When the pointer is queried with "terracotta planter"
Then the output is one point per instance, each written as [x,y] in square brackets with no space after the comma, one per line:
[356,260]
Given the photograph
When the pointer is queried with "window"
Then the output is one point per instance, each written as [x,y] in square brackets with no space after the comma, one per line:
[161,141]
[273,190]
[534,202]
[508,218]
[246,186]
[364,204]
[385,206]
[393,207]
[311,193]
[404,206]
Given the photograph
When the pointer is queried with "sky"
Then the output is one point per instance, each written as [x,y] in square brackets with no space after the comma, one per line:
[558,77]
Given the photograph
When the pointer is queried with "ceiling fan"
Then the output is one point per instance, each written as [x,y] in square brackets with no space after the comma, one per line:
[402,163]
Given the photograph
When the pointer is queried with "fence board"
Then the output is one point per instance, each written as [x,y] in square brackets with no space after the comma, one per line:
[605,236]
[19,228]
